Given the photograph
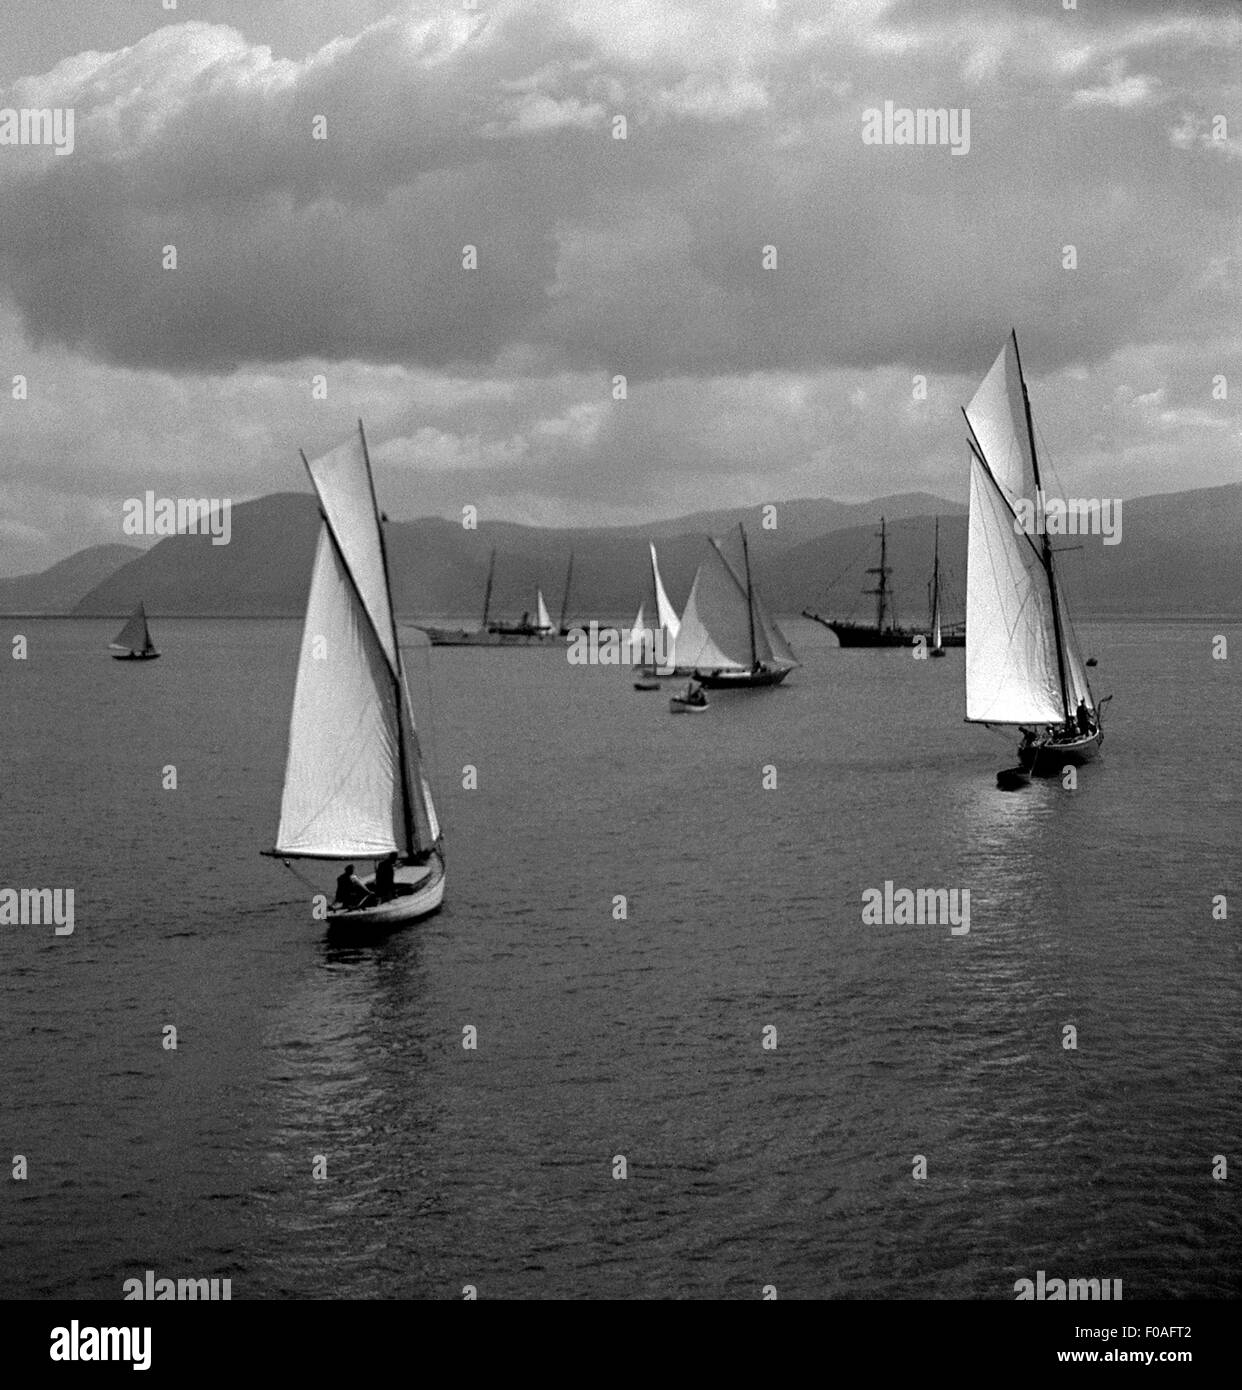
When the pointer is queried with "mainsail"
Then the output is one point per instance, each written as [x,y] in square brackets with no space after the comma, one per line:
[134,637]
[354,785]
[1022,663]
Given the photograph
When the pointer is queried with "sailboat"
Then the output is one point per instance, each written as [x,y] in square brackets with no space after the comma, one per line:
[936,645]
[354,785]
[522,633]
[642,646]
[543,623]
[726,637]
[133,642]
[885,631]
[1023,665]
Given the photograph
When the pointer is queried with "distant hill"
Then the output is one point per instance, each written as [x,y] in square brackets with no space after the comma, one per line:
[1176,557]
[58,589]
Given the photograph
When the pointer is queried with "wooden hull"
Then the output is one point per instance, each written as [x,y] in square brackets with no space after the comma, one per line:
[425,883]
[134,656]
[742,680]
[1049,759]
[677,705]
[647,683]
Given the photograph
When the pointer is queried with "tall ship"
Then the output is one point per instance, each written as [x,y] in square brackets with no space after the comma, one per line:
[727,639]
[886,631]
[1023,663]
[354,784]
[525,632]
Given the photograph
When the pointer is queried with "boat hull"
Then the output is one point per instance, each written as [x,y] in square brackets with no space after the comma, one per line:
[868,635]
[742,680]
[426,895]
[461,637]
[677,705]
[1050,759]
[134,656]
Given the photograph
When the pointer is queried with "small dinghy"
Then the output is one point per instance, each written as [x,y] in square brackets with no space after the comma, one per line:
[693,701]
[646,682]
[133,642]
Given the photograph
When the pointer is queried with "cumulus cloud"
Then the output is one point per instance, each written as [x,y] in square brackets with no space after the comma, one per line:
[1095,129]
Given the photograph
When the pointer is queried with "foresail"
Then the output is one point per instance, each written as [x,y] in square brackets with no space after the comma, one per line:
[544,622]
[426,824]
[1012,674]
[342,794]
[343,482]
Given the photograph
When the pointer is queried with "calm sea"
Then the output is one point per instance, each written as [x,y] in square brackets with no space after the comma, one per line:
[640,1038]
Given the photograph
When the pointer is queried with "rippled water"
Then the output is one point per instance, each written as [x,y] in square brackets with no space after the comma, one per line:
[639,1038]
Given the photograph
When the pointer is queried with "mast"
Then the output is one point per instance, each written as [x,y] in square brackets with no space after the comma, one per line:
[1047,544]
[750,600]
[569,575]
[487,593]
[398,676]
[936,584]
[881,591]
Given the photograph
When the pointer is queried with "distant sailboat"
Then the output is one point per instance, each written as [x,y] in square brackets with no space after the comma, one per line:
[1023,665]
[522,633]
[543,622]
[936,645]
[354,785]
[726,637]
[133,642]
[642,646]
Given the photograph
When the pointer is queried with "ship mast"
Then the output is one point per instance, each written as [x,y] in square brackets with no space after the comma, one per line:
[487,593]
[881,590]
[569,576]
[1046,554]
[750,601]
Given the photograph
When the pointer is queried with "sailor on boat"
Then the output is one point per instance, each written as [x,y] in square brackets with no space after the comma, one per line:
[694,693]
[351,892]
[385,888]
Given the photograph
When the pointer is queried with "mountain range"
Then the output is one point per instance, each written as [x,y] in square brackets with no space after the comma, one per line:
[1175,558]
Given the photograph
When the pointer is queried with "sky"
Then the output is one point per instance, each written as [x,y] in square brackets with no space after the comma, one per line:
[1114,128]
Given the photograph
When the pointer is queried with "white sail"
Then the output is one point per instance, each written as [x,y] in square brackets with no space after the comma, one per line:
[543,622]
[346,790]
[343,482]
[666,614]
[1011,656]
[1013,675]
[715,628]
[936,640]
[133,637]
[342,793]
[641,640]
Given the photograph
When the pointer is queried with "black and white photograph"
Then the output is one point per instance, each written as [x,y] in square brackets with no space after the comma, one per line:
[620,663]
